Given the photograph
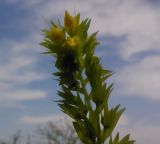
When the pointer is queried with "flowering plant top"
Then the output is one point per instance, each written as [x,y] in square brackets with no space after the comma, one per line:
[84,93]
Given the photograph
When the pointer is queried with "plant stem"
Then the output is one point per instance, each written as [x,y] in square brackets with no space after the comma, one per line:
[86,95]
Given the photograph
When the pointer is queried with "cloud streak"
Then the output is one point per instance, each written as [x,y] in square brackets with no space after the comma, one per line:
[17,71]
[37,120]
[140,79]
[142,132]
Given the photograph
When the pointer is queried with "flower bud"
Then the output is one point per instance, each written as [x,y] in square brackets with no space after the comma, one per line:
[68,20]
[57,34]
[71,22]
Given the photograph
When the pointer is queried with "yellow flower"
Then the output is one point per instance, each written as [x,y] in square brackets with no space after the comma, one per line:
[57,34]
[71,22]
[72,42]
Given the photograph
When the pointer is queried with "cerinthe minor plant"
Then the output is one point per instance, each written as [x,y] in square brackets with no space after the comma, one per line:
[82,79]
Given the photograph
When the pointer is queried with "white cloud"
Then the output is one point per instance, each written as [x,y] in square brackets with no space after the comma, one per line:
[140,79]
[26,2]
[11,96]
[17,70]
[36,120]
[142,132]
[124,120]
[147,134]
[27,95]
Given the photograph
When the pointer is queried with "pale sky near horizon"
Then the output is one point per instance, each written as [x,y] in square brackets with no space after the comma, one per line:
[129,33]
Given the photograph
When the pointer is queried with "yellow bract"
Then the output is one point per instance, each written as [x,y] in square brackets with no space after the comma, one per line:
[57,34]
[70,22]
[73,42]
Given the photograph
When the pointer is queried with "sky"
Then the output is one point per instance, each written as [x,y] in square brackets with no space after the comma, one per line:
[129,33]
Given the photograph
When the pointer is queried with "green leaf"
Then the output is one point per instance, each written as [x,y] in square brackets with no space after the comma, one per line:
[105,77]
[126,140]
[82,107]
[72,111]
[90,129]
[68,97]
[90,44]
[94,118]
[54,48]
[110,140]
[82,132]
[117,115]
[116,140]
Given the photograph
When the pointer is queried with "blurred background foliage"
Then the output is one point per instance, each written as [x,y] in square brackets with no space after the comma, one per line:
[60,132]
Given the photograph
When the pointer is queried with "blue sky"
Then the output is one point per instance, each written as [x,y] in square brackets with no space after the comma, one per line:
[129,33]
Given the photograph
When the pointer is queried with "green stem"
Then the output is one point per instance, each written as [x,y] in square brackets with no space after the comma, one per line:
[86,95]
